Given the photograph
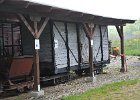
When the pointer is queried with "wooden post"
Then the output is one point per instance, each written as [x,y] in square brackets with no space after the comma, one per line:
[36,33]
[89,29]
[91,57]
[91,50]
[121,34]
[122,50]
[36,62]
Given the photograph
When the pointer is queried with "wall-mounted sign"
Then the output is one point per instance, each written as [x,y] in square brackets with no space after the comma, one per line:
[91,42]
[56,43]
[38,87]
[37,44]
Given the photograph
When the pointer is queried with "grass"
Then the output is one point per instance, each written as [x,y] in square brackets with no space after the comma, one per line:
[132,46]
[113,91]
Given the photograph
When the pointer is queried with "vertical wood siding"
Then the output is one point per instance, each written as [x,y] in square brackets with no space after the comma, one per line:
[27,41]
[45,44]
[105,43]
[84,46]
[96,45]
[60,51]
[72,41]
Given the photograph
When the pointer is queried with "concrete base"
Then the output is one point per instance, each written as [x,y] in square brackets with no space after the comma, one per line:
[92,79]
[37,93]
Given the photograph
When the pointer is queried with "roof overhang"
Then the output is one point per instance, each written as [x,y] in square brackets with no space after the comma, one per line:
[9,8]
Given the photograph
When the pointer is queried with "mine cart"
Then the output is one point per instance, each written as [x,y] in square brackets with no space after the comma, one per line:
[15,69]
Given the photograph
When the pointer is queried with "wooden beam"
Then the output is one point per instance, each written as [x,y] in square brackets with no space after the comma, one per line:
[27,24]
[30,28]
[75,14]
[121,34]
[16,10]
[43,26]
[36,63]
[25,7]
[93,29]
[17,3]
[122,50]
[36,56]
[91,63]
[39,8]
[36,33]
[91,57]
[61,12]
[89,28]
[118,30]
[87,31]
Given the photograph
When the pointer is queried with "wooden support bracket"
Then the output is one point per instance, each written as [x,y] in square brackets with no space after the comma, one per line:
[119,31]
[89,30]
[86,30]
[27,24]
[36,35]
[43,26]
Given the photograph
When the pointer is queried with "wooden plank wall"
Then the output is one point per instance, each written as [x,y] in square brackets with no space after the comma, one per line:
[27,41]
[72,41]
[84,46]
[105,43]
[96,45]
[60,52]
[60,49]
[45,44]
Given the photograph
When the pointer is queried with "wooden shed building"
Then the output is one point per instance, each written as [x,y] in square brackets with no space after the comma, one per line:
[53,40]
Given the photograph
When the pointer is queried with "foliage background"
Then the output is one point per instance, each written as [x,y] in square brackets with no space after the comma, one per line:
[131,36]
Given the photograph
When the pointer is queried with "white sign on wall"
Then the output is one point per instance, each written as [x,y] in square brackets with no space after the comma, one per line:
[91,42]
[38,87]
[37,44]
[56,43]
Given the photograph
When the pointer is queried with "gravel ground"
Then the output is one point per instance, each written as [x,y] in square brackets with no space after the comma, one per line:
[111,74]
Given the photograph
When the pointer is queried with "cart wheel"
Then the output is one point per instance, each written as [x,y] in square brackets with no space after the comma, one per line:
[87,71]
[79,72]
[30,86]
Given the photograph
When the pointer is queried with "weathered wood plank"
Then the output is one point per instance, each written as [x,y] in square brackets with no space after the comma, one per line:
[84,46]
[72,42]
[60,46]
